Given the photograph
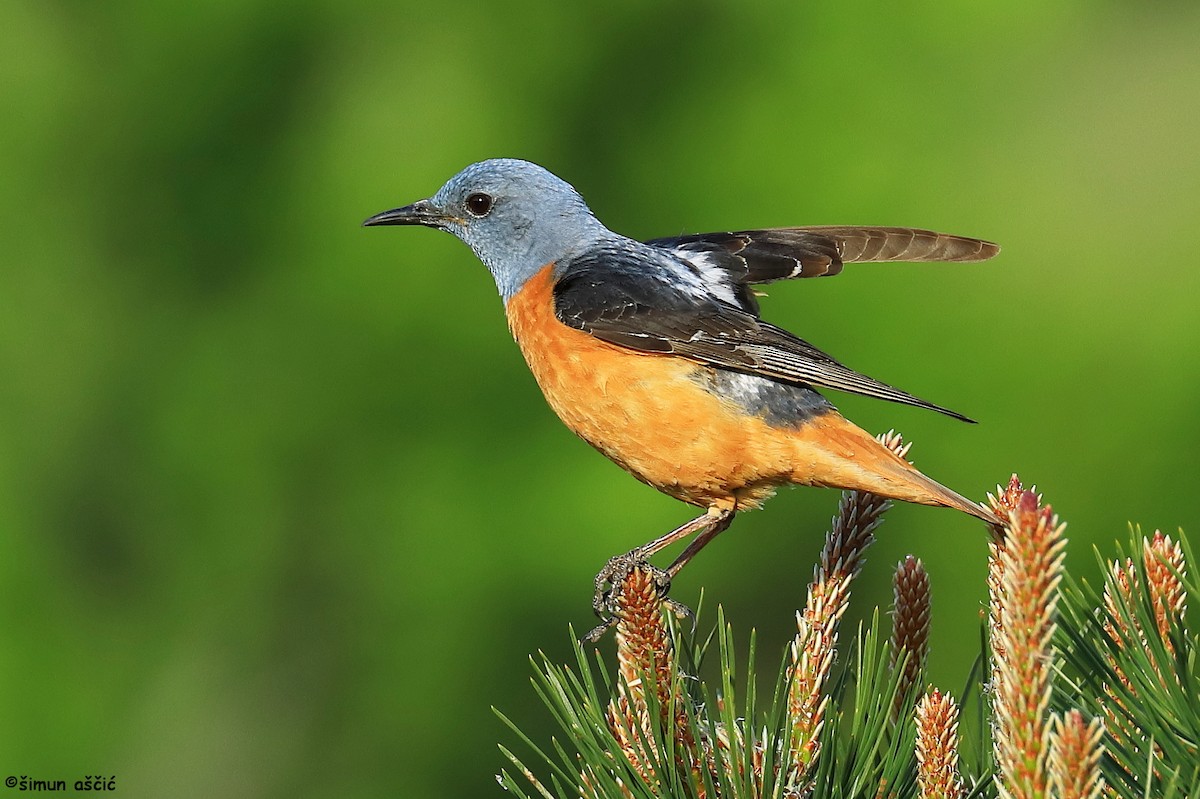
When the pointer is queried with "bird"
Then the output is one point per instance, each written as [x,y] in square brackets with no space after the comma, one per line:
[655,352]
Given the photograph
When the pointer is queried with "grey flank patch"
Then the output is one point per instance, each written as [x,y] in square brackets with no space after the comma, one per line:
[779,404]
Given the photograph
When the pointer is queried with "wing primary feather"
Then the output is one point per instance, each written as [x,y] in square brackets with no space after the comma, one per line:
[770,254]
[913,245]
[778,364]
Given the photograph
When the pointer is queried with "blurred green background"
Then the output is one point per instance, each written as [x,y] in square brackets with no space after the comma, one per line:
[282,512]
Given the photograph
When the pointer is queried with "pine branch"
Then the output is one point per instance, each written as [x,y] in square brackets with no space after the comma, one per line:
[937,747]
[910,626]
[1075,752]
[1025,574]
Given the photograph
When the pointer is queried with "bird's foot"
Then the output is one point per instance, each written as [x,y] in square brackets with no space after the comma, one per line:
[611,577]
[607,601]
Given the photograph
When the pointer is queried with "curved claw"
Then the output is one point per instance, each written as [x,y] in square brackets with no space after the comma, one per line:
[609,583]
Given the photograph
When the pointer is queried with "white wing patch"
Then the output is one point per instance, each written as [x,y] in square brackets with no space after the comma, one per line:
[711,276]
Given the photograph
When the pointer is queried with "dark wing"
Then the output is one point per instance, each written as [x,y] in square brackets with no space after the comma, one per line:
[762,256]
[632,300]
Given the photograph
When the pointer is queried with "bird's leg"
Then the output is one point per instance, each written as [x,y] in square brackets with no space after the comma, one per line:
[705,526]
[720,523]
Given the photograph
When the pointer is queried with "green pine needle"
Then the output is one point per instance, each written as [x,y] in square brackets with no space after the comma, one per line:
[742,739]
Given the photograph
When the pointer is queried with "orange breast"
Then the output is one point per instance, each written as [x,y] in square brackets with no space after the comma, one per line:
[646,412]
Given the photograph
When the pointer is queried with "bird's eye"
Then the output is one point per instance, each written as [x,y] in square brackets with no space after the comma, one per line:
[479,204]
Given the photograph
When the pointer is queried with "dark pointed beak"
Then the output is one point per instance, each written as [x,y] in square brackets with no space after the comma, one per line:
[422,212]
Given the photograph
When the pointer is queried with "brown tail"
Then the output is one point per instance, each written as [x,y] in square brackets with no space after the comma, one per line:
[833,452]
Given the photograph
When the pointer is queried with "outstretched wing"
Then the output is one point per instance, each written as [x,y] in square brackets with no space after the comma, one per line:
[641,300]
[763,256]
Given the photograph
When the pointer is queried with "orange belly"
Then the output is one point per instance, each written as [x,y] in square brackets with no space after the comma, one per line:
[649,414]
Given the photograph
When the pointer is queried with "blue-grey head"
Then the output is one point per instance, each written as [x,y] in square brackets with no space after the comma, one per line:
[516,216]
